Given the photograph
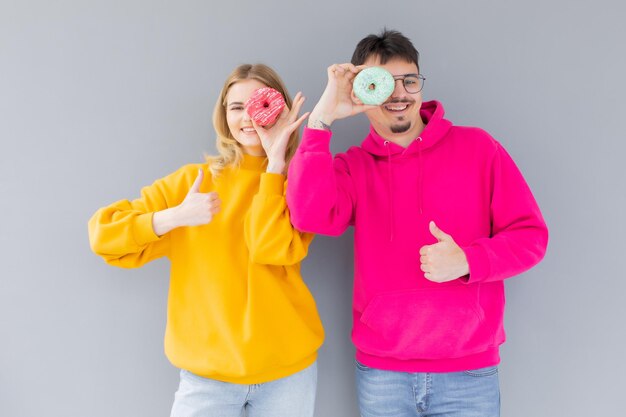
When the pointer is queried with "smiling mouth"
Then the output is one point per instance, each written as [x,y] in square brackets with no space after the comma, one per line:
[396,107]
[248,130]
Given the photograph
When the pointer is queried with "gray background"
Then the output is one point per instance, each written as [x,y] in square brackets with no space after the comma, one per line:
[100,98]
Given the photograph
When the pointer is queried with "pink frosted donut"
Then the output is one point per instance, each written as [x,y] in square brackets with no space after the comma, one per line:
[265,105]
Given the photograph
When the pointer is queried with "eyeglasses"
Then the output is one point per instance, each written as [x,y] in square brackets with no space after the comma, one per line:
[413,83]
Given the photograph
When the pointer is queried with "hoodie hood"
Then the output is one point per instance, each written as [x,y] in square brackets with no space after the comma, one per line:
[436,128]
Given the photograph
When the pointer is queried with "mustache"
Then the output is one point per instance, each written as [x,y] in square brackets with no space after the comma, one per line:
[399,100]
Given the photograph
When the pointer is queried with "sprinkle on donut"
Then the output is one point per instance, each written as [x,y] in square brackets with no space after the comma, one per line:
[373,85]
[265,105]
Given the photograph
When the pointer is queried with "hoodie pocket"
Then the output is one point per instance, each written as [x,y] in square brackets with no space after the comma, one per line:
[432,323]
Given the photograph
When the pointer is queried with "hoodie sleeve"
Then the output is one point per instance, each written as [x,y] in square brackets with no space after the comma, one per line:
[519,235]
[269,234]
[320,193]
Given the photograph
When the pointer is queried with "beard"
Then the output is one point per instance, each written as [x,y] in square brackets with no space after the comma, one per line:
[400,128]
[402,125]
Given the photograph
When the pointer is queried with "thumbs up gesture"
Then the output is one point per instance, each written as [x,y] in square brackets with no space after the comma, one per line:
[444,260]
[197,208]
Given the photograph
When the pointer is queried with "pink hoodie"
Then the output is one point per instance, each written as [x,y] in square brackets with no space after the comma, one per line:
[465,181]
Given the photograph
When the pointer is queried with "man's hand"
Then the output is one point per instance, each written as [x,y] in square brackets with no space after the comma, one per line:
[337,101]
[444,260]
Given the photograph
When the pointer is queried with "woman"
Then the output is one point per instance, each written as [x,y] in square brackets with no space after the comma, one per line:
[241,325]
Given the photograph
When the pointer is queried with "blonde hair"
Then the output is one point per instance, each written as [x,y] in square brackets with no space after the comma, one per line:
[229,150]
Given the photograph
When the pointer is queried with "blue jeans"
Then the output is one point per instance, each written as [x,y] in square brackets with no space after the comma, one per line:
[473,393]
[292,396]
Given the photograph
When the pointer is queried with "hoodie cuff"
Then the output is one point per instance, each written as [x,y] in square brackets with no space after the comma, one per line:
[478,262]
[272,184]
[143,232]
[315,140]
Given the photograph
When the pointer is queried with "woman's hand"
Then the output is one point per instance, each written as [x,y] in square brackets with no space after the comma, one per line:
[275,138]
[196,209]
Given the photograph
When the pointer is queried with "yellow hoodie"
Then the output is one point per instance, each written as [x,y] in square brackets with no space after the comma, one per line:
[238,310]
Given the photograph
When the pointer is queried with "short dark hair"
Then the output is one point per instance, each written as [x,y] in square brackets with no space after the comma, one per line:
[388,45]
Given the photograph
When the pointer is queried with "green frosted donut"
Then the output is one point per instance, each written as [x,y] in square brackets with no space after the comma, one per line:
[373,85]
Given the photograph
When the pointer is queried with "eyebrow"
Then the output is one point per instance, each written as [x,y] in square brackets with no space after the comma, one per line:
[235,102]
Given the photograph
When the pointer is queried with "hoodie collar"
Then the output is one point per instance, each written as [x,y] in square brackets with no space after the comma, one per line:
[436,127]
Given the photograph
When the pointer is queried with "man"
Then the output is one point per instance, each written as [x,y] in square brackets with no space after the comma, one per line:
[441,217]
